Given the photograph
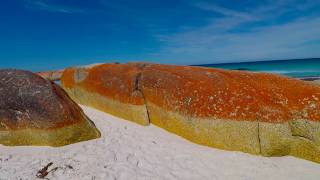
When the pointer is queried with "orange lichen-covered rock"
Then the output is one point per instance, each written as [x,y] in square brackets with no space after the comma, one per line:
[235,110]
[207,92]
[256,113]
[112,88]
[35,111]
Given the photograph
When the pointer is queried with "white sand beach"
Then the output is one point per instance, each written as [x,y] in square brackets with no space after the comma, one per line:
[130,151]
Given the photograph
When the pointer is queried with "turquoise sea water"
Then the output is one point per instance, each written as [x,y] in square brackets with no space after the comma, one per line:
[294,68]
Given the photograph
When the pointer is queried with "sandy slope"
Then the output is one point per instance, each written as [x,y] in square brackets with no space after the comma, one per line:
[316,81]
[130,151]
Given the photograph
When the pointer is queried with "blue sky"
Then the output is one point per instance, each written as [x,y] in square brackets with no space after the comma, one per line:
[52,34]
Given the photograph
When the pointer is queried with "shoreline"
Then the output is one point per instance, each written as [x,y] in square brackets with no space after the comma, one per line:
[309,78]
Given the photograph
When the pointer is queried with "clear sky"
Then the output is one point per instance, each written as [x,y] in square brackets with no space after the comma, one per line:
[51,34]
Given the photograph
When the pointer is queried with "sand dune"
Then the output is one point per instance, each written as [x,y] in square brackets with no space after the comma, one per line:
[129,151]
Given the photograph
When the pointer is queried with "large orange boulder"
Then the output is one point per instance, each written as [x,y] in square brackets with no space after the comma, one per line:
[35,111]
[257,113]
[113,88]
[235,110]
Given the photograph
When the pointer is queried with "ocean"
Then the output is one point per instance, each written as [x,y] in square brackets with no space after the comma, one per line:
[298,68]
